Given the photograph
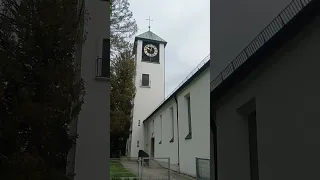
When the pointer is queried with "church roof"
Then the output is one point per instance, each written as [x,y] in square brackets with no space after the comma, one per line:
[150,36]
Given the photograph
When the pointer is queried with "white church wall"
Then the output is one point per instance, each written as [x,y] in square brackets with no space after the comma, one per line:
[199,145]
[155,95]
[166,148]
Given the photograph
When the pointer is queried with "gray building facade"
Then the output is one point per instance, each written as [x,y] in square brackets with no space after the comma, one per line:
[90,158]
[264,108]
[235,24]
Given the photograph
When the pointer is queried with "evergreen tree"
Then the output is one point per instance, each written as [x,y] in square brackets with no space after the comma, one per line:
[122,28]
[40,90]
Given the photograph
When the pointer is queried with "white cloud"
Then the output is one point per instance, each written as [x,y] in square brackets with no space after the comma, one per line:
[185,25]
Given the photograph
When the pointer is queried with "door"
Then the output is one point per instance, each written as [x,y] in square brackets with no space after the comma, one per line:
[152,147]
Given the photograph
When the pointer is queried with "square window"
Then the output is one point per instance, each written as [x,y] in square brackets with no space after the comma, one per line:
[145,82]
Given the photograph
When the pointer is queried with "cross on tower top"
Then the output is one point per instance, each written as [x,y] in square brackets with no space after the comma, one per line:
[149,22]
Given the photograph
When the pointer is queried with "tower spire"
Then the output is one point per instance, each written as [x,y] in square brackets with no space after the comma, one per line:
[149,22]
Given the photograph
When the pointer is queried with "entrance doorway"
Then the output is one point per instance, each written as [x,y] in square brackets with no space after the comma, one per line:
[152,147]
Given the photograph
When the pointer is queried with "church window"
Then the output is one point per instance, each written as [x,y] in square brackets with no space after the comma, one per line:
[188,102]
[145,82]
[152,127]
[138,122]
[160,129]
[172,124]
[137,143]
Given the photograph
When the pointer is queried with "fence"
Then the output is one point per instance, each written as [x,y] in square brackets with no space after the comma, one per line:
[128,168]
[203,169]
[155,168]
[124,168]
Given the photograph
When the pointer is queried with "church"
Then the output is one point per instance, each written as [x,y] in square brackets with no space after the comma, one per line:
[176,126]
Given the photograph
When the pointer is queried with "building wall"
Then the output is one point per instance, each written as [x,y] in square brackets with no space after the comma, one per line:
[166,148]
[146,99]
[236,23]
[287,96]
[199,145]
[92,151]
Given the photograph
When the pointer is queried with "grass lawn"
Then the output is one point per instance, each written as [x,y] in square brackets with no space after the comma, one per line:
[118,172]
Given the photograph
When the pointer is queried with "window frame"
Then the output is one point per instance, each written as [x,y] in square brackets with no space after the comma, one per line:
[189,116]
[172,124]
[149,82]
[160,142]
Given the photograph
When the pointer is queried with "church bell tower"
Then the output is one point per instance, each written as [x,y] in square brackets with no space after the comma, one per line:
[149,51]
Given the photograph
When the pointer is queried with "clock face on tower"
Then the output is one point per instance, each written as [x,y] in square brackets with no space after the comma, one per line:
[150,52]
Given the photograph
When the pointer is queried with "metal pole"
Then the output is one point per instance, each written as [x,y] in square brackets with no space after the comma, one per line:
[141,172]
[168,168]
[139,168]
[197,168]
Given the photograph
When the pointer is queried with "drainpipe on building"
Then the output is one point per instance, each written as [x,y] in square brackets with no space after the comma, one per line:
[175,98]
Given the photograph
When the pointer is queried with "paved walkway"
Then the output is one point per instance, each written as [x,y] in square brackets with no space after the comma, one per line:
[153,172]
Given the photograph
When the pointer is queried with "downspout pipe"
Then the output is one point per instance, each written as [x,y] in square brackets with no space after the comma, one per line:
[175,98]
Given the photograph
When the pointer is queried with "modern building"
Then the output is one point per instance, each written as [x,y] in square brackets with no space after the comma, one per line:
[89,159]
[264,91]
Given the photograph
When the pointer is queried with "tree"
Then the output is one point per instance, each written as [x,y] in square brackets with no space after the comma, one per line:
[122,28]
[40,88]
[122,94]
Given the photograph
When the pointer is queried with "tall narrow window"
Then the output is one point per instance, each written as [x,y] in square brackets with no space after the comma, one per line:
[160,129]
[188,102]
[138,122]
[147,133]
[252,128]
[105,59]
[152,128]
[248,113]
[137,143]
[172,124]
[145,82]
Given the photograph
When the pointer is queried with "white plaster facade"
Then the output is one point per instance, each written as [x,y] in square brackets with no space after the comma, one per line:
[146,98]
[182,152]
[166,120]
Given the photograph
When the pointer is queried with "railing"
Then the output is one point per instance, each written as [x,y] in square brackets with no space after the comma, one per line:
[150,165]
[203,169]
[135,168]
[278,23]
[103,68]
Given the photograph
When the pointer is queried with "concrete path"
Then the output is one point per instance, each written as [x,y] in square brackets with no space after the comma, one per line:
[153,172]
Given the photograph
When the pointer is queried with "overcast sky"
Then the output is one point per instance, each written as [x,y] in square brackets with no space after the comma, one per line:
[185,25]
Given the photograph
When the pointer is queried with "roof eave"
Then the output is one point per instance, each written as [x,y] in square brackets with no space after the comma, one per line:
[150,40]
[280,38]
[198,73]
